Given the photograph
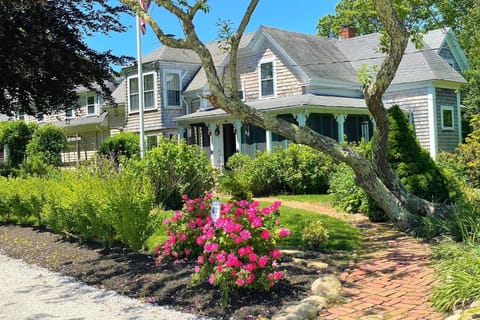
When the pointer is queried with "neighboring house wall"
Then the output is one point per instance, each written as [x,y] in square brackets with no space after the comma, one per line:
[414,101]
[448,135]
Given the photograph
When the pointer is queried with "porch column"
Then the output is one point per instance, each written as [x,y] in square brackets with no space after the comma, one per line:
[301,118]
[181,130]
[237,124]
[216,144]
[340,126]
[269,140]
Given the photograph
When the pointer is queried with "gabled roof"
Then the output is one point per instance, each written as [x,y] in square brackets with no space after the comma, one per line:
[436,39]
[417,65]
[99,120]
[165,53]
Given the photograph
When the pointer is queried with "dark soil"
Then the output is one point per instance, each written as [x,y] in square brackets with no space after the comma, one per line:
[134,274]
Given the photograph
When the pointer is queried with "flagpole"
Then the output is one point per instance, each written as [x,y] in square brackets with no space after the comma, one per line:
[141,98]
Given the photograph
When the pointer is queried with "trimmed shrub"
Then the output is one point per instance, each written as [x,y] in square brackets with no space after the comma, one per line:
[314,236]
[16,135]
[125,144]
[177,169]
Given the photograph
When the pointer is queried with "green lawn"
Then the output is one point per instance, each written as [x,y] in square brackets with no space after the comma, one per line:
[342,236]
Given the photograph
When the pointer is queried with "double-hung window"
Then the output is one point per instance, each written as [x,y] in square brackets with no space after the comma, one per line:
[91,109]
[172,89]
[447,117]
[69,113]
[267,81]
[148,92]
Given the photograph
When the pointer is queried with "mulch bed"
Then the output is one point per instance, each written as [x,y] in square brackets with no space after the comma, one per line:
[134,274]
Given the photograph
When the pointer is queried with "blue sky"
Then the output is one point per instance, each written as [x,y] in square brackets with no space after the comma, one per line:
[299,15]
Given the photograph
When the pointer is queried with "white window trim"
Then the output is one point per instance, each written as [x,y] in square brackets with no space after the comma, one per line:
[264,61]
[25,117]
[95,105]
[451,109]
[164,86]
[73,113]
[155,106]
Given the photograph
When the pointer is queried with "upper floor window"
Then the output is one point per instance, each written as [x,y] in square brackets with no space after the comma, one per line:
[22,116]
[69,113]
[267,83]
[91,107]
[447,117]
[172,91]
[148,92]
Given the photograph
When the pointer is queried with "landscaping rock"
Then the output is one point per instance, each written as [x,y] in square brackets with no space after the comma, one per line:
[307,309]
[327,286]
[294,253]
[317,264]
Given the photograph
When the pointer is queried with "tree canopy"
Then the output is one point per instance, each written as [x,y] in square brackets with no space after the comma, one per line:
[43,57]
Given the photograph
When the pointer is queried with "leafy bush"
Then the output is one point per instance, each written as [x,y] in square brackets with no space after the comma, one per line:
[297,169]
[346,195]
[44,150]
[125,144]
[177,169]
[16,135]
[236,251]
[314,236]
[458,269]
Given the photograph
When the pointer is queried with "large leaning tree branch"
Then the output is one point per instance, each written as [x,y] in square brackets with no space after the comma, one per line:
[377,179]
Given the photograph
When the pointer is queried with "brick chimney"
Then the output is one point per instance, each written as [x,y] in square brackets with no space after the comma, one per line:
[347,32]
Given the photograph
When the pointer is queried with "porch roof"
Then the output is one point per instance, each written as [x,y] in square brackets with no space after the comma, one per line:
[100,120]
[306,102]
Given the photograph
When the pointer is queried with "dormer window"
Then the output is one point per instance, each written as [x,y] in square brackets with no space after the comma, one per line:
[148,92]
[267,81]
[172,89]
[91,108]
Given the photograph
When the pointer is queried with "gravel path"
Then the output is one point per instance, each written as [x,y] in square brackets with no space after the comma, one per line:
[29,292]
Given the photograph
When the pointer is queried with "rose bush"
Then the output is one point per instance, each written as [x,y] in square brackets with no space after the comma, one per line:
[236,251]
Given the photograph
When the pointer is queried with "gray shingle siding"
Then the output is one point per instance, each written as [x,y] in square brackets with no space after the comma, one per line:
[416,102]
[446,53]
[447,139]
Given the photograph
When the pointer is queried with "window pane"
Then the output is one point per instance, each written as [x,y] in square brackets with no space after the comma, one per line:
[173,97]
[69,113]
[149,100]
[448,118]
[148,82]
[91,109]
[90,100]
[134,102]
[133,86]
[267,88]
[173,81]
[267,70]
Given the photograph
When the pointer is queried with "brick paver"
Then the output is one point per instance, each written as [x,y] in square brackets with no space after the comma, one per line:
[392,278]
[391,281]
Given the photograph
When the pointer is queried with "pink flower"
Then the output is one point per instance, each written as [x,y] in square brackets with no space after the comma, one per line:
[184,197]
[252,257]
[257,222]
[242,203]
[190,208]
[238,227]
[276,205]
[220,268]
[238,240]
[200,240]
[197,269]
[250,267]
[262,262]
[245,234]
[220,258]
[208,196]
[187,252]
[183,237]
[211,247]
[275,254]
[277,275]
[177,216]
[242,251]
[240,282]
[229,226]
[250,278]
[266,211]
[265,235]
[211,279]
[201,259]
[284,232]
[232,261]
[167,221]
[192,224]
[254,204]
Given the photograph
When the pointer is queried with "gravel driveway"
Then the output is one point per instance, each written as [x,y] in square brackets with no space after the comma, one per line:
[33,293]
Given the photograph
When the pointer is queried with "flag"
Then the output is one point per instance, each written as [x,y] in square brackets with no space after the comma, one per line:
[143,24]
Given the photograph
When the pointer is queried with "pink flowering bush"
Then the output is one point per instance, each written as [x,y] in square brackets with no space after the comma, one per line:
[237,251]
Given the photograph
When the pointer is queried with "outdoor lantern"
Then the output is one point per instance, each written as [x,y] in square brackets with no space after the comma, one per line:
[216,208]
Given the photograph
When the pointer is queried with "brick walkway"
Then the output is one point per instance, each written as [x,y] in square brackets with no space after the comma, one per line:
[391,280]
